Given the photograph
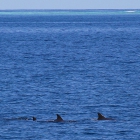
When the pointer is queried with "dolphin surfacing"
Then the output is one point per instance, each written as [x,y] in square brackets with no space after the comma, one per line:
[34,118]
[101,117]
[59,118]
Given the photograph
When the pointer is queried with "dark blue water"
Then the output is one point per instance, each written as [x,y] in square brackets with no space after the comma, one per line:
[72,63]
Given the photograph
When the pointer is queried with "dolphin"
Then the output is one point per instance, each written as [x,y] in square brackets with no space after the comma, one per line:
[34,118]
[58,119]
[21,118]
[101,117]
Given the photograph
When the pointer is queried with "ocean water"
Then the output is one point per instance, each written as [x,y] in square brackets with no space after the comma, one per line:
[75,63]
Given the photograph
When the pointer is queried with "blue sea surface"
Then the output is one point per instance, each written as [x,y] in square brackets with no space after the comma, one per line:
[75,63]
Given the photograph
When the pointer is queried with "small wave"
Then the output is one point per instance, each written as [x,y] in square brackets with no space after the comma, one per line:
[130,11]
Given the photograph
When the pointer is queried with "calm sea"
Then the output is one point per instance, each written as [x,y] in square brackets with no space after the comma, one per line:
[75,63]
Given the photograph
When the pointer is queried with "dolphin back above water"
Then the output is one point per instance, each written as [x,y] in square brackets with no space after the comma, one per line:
[59,119]
[101,117]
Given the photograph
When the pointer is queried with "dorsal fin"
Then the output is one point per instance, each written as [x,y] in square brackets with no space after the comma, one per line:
[34,118]
[59,119]
[100,116]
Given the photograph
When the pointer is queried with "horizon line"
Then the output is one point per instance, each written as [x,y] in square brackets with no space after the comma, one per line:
[75,9]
